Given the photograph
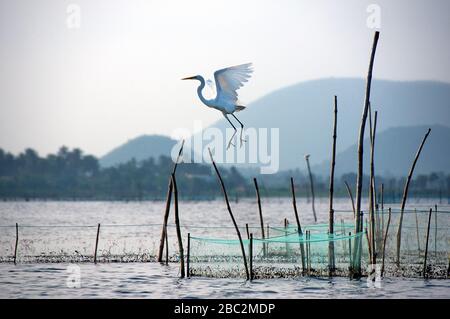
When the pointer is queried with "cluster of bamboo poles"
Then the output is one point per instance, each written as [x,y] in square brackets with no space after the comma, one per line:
[376,244]
[375,237]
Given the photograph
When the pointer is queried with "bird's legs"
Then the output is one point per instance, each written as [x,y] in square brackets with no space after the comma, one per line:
[234,133]
[242,128]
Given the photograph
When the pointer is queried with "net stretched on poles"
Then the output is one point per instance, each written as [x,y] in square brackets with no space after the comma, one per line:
[287,253]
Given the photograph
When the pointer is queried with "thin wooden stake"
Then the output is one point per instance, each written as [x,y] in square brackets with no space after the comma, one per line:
[311,183]
[350,249]
[405,196]
[343,234]
[417,231]
[178,226]
[261,220]
[435,229]
[299,226]
[373,255]
[231,214]
[307,251]
[384,242]
[17,243]
[359,179]
[426,245]
[369,245]
[188,257]
[248,231]
[285,234]
[167,210]
[382,210]
[331,257]
[349,191]
[251,256]
[448,267]
[167,248]
[96,243]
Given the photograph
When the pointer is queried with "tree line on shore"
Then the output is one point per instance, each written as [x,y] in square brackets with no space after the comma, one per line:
[72,175]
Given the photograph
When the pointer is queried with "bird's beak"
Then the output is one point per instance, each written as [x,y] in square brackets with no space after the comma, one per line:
[189,78]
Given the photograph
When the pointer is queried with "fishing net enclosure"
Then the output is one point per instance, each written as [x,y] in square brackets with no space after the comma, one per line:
[283,251]
[287,252]
[59,243]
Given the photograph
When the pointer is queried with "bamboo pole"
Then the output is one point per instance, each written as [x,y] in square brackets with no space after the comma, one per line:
[167,248]
[448,267]
[178,227]
[331,257]
[17,243]
[417,230]
[311,184]
[285,234]
[231,214]
[385,240]
[426,245]
[299,226]
[382,209]
[359,180]
[357,247]
[251,255]
[167,210]
[369,245]
[349,191]
[310,255]
[372,141]
[375,202]
[261,220]
[344,245]
[188,257]
[96,243]
[307,252]
[350,249]
[435,229]
[373,255]
[405,196]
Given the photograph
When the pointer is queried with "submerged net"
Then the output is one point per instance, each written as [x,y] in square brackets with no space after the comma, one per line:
[216,252]
[287,253]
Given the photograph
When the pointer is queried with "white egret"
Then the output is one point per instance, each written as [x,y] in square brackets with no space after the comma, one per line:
[228,81]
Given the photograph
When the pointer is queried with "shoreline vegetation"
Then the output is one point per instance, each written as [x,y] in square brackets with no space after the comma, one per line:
[69,175]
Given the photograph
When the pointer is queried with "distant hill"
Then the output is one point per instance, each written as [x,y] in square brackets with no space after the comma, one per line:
[395,149]
[304,114]
[139,148]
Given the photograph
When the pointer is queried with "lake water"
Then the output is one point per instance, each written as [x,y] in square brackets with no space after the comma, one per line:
[133,228]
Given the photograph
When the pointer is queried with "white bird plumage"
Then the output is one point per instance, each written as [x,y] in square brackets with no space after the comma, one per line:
[228,81]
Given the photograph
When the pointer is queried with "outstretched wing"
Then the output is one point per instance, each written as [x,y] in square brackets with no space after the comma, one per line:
[229,80]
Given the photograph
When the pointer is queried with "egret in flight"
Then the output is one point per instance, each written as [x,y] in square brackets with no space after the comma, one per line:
[228,81]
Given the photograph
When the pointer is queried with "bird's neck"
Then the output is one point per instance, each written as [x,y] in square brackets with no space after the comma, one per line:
[200,89]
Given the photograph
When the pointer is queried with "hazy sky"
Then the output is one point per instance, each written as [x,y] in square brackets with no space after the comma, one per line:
[118,75]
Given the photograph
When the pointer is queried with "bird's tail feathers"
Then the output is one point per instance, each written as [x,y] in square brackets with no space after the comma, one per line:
[239,108]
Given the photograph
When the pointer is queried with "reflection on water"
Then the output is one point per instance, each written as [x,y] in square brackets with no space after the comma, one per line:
[152,280]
